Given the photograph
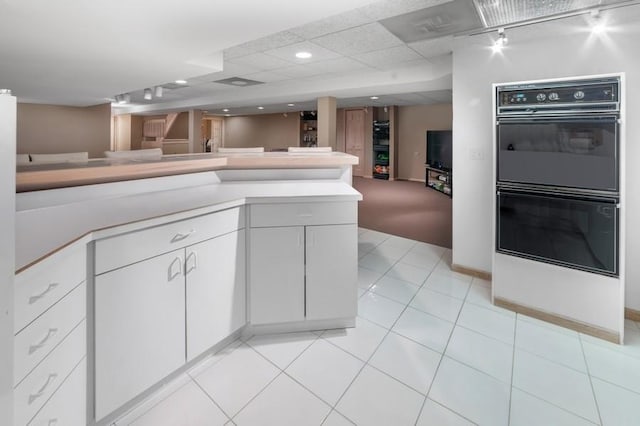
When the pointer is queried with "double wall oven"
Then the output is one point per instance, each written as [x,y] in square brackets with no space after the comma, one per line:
[557,189]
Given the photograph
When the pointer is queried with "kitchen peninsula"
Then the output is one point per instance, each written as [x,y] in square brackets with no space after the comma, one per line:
[122,284]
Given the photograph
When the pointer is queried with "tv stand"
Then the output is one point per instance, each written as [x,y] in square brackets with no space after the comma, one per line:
[438,179]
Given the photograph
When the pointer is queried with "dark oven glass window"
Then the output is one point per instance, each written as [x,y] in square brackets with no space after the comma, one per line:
[562,152]
[578,233]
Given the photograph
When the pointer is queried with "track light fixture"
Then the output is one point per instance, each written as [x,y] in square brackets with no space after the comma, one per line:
[148,94]
[158,91]
[501,41]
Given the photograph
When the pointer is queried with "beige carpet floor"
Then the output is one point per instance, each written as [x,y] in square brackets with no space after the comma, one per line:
[404,208]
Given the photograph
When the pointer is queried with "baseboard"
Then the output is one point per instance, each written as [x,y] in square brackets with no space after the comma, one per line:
[559,320]
[632,314]
[470,271]
[415,180]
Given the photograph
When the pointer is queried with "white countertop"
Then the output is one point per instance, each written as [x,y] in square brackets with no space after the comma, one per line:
[43,230]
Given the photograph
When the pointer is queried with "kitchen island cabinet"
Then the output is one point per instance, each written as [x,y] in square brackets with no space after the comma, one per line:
[167,283]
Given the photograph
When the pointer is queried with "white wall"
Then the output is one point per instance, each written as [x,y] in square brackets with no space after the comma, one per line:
[561,48]
[7,251]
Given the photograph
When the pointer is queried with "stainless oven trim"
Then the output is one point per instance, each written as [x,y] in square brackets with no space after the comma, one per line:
[614,201]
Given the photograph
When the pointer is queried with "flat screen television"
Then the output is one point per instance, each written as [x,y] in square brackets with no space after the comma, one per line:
[439,149]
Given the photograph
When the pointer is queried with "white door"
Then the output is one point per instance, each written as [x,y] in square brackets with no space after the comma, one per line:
[139,328]
[277,274]
[354,138]
[331,281]
[216,295]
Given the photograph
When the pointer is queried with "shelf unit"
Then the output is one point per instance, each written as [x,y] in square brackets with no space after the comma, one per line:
[381,149]
[440,180]
[308,129]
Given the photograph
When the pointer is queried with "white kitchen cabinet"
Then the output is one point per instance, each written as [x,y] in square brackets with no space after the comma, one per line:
[331,271]
[139,328]
[303,273]
[277,274]
[216,291]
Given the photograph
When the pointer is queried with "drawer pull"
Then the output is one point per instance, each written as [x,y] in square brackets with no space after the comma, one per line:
[43,389]
[34,299]
[179,237]
[193,255]
[173,271]
[52,332]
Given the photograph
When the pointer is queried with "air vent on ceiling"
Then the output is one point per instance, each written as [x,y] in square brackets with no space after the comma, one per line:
[239,82]
[454,17]
[174,86]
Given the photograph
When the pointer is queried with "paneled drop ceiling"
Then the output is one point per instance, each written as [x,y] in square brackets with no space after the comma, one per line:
[80,53]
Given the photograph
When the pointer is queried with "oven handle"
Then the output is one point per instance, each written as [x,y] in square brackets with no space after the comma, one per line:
[556,119]
[551,193]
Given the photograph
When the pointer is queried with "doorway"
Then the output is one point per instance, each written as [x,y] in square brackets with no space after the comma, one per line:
[355,137]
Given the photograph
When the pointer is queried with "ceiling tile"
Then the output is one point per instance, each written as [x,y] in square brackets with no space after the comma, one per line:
[299,71]
[288,53]
[357,40]
[389,8]
[260,62]
[340,65]
[237,51]
[388,58]
[433,47]
[273,41]
[332,24]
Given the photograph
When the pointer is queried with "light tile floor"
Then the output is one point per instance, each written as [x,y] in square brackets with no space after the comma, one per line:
[429,349]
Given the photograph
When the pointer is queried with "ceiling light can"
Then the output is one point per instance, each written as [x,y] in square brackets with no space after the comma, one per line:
[303,55]
[148,94]
[158,91]
[181,81]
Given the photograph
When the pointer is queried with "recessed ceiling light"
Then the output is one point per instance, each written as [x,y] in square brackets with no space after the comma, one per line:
[375,98]
[239,83]
[227,115]
[303,55]
[291,105]
[260,107]
[225,110]
[181,81]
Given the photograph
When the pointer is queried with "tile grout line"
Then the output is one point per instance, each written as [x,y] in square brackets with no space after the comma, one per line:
[593,391]
[435,374]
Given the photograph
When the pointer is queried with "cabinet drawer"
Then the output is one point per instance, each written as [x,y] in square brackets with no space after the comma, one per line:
[121,250]
[37,388]
[296,214]
[67,407]
[40,286]
[33,343]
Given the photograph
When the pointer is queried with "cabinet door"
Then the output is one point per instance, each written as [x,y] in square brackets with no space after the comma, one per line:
[139,328]
[277,275]
[331,271]
[216,294]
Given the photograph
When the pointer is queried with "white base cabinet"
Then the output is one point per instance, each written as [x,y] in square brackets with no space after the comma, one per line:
[139,328]
[303,273]
[153,316]
[216,291]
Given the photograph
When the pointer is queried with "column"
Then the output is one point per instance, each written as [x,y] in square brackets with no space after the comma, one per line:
[327,121]
[195,131]
[8,113]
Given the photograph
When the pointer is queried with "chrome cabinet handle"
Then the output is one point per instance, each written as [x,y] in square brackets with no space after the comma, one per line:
[178,271]
[52,332]
[179,237]
[43,389]
[35,298]
[188,268]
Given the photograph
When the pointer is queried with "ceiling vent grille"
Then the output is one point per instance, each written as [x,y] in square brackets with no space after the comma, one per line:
[238,82]
[454,17]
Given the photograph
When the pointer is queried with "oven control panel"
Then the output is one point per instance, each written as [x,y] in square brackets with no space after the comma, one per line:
[576,95]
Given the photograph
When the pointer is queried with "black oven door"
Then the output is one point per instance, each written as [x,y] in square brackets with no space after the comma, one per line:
[575,232]
[573,152]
